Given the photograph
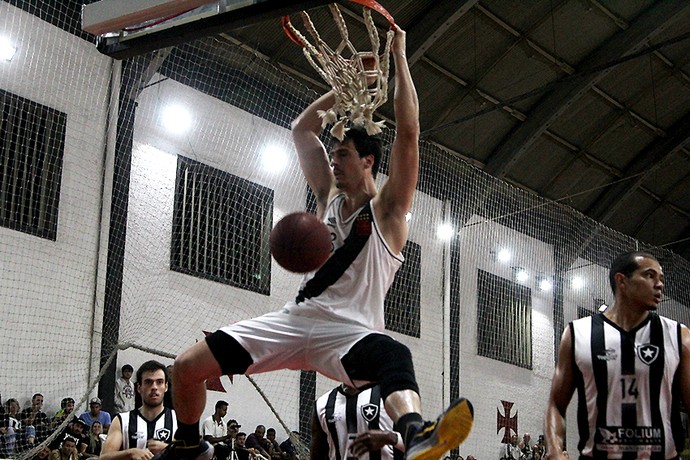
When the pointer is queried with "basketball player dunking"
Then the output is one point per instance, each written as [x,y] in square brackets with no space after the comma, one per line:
[629,365]
[143,432]
[335,325]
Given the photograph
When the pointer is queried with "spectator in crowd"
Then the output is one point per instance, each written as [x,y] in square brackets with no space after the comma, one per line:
[470,457]
[67,449]
[244,452]
[288,446]
[257,441]
[526,447]
[539,448]
[16,437]
[124,391]
[215,431]
[43,454]
[147,430]
[33,416]
[95,413]
[77,429]
[233,429]
[95,440]
[274,448]
[66,408]
[511,450]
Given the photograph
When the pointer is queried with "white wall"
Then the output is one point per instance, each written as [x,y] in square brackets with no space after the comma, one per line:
[484,381]
[47,287]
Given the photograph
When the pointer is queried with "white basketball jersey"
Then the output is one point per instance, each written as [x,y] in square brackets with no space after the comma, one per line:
[341,415]
[625,382]
[136,430]
[353,282]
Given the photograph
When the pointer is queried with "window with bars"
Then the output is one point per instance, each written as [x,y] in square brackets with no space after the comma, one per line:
[221,227]
[504,325]
[32,144]
[402,303]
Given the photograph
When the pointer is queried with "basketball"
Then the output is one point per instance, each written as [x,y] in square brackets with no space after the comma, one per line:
[300,242]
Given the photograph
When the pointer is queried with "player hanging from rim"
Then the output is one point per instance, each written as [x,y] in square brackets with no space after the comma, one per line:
[335,326]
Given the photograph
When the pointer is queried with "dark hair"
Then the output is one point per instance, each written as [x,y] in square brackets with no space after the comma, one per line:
[270,430]
[241,433]
[151,366]
[127,367]
[365,145]
[626,264]
[64,402]
[37,394]
[220,404]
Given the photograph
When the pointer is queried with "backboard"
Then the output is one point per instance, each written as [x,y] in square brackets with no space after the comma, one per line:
[126,28]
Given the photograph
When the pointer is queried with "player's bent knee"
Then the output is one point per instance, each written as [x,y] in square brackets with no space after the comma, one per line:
[380,358]
[195,365]
[228,353]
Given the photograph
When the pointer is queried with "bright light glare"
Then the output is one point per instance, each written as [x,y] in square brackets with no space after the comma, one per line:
[521,276]
[445,231]
[274,158]
[176,119]
[578,282]
[503,255]
[7,51]
[603,307]
[545,284]
[408,217]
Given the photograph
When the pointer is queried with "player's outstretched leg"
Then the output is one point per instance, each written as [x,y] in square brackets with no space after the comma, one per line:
[447,432]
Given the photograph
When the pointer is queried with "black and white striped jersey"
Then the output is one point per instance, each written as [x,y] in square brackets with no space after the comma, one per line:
[625,387]
[136,430]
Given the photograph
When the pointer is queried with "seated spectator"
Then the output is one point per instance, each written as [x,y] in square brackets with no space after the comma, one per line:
[124,391]
[244,452]
[233,429]
[43,454]
[76,429]
[274,448]
[95,413]
[526,446]
[33,416]
[511,450]
[257,441]
[539,448]
[66,408]
[15,437]
[67,450]
[95,439]
[215,432]
[288,445]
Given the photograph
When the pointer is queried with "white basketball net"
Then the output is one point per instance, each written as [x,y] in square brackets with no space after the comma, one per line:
[360,83]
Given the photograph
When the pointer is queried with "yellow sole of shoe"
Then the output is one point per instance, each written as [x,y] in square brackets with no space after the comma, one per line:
[453,429]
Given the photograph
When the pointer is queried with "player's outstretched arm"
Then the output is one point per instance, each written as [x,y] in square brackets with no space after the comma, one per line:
[396,195]
[562,388]
[312,155]
[373,440]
